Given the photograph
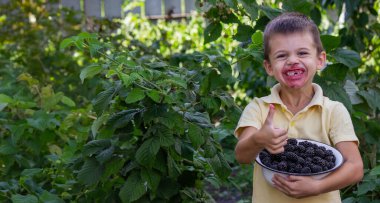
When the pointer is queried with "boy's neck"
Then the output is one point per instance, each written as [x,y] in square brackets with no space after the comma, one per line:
[296,99]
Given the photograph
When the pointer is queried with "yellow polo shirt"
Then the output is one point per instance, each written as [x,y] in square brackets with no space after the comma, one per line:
[322,120]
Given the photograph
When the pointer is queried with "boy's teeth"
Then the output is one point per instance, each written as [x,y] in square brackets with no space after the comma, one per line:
[291,73]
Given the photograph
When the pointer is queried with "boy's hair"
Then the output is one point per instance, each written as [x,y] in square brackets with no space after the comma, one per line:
[291,22]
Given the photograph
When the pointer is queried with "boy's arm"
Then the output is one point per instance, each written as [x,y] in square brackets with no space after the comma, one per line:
[252,141]
[349,173]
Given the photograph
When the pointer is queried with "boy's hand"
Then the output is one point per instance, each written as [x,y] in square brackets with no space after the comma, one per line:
[296,186]
[273,139]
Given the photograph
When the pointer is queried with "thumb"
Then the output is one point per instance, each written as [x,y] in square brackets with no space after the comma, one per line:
[270,116]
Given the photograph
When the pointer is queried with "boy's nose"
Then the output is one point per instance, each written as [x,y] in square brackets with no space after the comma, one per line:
[292,60]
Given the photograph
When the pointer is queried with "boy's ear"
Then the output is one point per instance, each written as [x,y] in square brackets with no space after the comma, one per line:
[268,68]
[321,60]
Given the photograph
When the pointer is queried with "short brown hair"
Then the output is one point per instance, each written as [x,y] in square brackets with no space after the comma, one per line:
[290,23]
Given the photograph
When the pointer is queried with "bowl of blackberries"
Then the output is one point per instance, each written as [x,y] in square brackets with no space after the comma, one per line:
[301,157]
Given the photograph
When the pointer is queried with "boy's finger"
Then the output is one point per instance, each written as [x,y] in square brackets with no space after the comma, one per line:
[270,114]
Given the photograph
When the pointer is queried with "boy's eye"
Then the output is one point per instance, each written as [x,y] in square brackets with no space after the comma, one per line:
[302,53]
[280,56]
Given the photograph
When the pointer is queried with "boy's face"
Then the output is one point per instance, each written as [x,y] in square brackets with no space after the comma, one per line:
[293,59]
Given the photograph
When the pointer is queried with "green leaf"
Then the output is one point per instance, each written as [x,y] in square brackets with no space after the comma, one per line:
[31,172]
[133,189]
[257,40]
[372,96]
[97,124]
[95,146]
[130,79]
[67,101]
[166,137]
[154,95]
[146,153]
[113,167]
[330,42]
[244,33]
[270,12]
[251,8]
[366,187]
[91,172]
[348,57]
[335,92]
[212,32]
[105,155]
[42,120]
[151,177]
[352,90]
[303,6]
[201,119]
[66,42]
[5,99]
[176,81]
[335,72]
[17,198]
[47,197]
[220,166]
[375,171]
[231,3]
[173,170]
[8,149]
[122,118]
[90,71]
[196,136]
[103,99]
[159,64]
[135,95]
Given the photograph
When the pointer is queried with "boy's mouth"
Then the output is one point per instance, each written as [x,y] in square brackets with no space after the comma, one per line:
[294,72]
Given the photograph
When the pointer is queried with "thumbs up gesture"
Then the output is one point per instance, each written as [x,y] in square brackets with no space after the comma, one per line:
[273,139]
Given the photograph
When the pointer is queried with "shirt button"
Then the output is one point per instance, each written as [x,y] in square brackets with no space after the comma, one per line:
[292,123]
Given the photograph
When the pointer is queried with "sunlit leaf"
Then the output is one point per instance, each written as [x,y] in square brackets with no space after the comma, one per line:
[212,32]
[90,71]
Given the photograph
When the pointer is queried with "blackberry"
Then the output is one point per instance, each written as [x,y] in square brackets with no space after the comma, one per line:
[291,156]
[330,165]
[319,152]
[300,148]
[316,168]
[274,166]
[301,160]
[298,168]
[266,161]
[322,148]
[309,152]
[308,159]
[317,160]
[329,153]
[306,144]
[289,148]
[292,141]
[282,166]
[306,170]
[330,158]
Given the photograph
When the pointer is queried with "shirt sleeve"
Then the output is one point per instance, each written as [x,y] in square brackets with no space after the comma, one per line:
[251,117]
[341,128]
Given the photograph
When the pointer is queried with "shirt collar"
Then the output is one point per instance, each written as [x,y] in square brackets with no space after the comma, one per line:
[274,97]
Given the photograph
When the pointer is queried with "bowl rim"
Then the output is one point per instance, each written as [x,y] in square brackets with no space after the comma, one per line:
[257,160]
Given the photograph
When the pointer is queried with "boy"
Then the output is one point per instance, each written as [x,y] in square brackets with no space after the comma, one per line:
[296,108]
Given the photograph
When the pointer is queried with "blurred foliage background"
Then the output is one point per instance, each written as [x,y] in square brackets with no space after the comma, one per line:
[135,110]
